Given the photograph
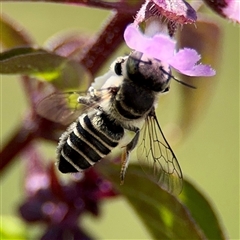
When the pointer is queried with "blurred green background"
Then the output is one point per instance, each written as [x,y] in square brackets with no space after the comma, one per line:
[209,156]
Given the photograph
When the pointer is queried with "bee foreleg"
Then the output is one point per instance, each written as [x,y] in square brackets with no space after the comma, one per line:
[86,100]
[125,156]
[94,94]
[90,102]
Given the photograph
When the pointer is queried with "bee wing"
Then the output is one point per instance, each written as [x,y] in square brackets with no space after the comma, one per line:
[61,107]
[64,107]
[157,158]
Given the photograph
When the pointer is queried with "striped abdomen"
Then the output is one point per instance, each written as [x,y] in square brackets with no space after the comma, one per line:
[87,141]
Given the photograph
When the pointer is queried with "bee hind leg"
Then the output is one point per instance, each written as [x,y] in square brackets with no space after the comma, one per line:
[125,156]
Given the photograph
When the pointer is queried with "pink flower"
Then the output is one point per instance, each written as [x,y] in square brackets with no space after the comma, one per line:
[232,10]
[227,8]
[163,48]
[179,11]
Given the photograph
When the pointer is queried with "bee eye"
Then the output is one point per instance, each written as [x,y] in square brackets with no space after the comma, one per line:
[118,68]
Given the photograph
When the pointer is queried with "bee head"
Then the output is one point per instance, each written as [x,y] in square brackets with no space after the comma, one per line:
[147,72]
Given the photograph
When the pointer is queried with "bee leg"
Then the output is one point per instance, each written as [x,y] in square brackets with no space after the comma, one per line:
[124,161]
[125,156]
[93,94]
[86,100]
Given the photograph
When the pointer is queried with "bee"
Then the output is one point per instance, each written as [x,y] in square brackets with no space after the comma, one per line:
[125,101]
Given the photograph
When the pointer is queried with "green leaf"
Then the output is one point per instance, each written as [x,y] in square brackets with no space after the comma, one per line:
[164,215]
[27,60]
[11,36]
[12,228]
[60,71]
[202,212]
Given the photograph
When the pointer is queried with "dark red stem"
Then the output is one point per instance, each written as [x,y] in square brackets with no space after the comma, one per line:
[108,41]
[19,140]
[33,127]
[126,6]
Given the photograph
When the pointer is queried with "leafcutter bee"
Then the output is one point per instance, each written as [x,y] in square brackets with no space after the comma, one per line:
[124,101]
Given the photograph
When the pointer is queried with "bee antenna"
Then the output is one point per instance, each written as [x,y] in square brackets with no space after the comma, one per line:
[177,80]
[140,60]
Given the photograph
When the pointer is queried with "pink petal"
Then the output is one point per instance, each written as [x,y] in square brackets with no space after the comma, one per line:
[227,8]
[232,10]
[185,59]
[199,70]
[160,46]
[134,38]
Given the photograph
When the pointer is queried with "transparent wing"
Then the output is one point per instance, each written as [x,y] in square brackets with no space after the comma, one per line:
[64,107]
[157,158]
[60,107]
